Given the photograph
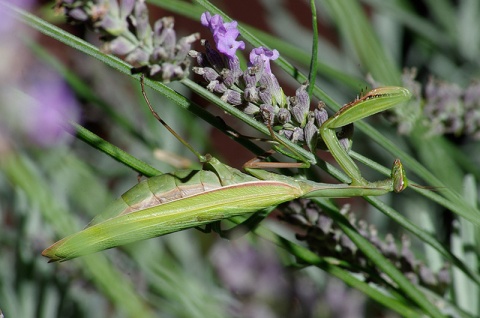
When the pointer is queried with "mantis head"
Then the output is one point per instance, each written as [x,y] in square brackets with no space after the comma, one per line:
[399,178]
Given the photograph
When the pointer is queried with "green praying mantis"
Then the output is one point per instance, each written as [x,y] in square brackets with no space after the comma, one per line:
[189,198]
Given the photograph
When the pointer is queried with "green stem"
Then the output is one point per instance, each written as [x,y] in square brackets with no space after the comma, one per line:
[313,62]
[116,153]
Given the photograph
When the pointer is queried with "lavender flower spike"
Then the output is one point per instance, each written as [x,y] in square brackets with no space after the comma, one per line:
[125,29]
[256,91]
[266,55]
[224,34]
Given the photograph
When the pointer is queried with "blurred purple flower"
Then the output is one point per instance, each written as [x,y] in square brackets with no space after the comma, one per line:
[38,108]
[343,301]
[8,21]
[224,34]
[266,55]
[247,271]
[35,103]
[53,106]
[263,287]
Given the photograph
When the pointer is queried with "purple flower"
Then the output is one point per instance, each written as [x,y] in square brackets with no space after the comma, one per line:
[224,34]
[38,108]
[53,106]
[8,21]
[246,269]
[265,55]
[210,22]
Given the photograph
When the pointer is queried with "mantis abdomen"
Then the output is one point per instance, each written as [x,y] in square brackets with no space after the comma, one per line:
[161,189]
[140,213]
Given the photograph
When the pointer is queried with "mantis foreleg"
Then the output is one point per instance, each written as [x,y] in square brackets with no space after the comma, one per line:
[375,101]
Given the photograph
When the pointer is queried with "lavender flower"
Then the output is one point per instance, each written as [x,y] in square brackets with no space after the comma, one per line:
[259,282]
[256,90]
[344,301]
[125,28]
[35,103]
[265,55]
[8,22]
[471,100]
[40,110]
[224,34]
[326,239]
[52,107]
[442,108]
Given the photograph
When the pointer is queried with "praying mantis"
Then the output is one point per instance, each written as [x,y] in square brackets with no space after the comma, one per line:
[189,198]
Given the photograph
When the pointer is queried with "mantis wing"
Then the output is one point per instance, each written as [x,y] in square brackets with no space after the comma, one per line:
[165,204]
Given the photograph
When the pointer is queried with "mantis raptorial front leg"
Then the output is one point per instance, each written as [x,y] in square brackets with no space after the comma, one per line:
[375,101]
